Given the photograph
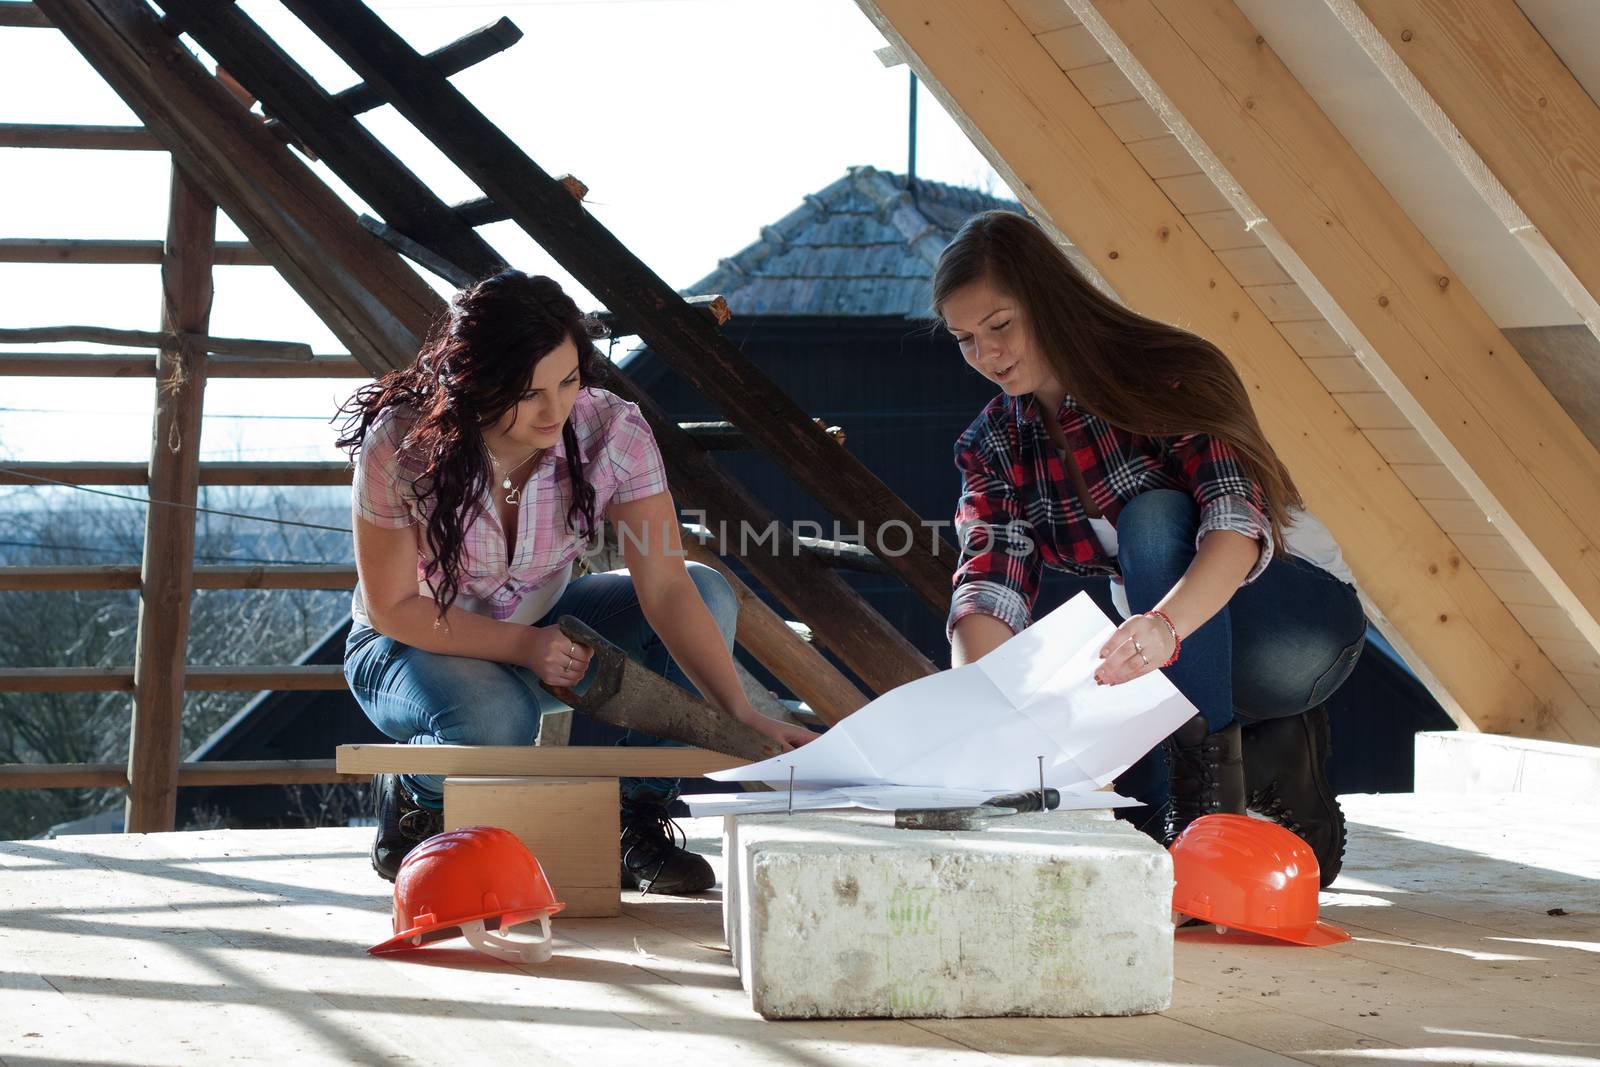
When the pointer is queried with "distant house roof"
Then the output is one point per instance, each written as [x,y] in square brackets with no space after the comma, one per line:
[865,245]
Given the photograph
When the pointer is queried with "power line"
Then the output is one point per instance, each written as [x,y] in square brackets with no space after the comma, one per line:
[175,504]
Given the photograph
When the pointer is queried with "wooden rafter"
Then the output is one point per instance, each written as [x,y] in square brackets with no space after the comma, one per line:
[1073,169]
[694,348]
[1517,105]
[369,297]
[1450,370]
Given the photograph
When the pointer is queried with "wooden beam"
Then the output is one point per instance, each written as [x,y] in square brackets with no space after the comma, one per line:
[167,573]
[99,365]
[862,639]
[334,473]
[61,250]
[762,633]
[1518,106]
[603,265]
[1446,365]
[453,58]
[597,761]
[47,135]
[377,306]
[200,343]
[198,679]
[204,773]
[1073,171]
[23,15]
[374,173]
[126,576]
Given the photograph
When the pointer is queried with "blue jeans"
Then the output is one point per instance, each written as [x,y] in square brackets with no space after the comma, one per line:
[424,698]
[1280,646]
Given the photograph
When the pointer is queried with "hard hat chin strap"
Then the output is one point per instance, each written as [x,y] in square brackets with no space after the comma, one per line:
[510,949]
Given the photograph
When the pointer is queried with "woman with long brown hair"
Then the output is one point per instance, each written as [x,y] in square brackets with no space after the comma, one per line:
[481,472]
[1127,448]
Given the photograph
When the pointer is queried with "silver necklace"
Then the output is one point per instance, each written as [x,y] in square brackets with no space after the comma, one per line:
[514,493]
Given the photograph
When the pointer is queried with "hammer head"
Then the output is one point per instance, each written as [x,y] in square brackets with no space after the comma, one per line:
[625,693]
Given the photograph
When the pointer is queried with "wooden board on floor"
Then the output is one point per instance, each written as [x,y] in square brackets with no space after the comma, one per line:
[249,945]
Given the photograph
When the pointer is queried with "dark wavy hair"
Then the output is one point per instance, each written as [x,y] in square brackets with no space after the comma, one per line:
[1140,375]
[471,371]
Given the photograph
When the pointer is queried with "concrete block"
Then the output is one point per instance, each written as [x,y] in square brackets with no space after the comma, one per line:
[1460,761]
[840,916]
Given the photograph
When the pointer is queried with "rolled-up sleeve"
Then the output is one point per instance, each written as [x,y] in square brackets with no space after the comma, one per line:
[378,491]
[1000,566]
[635,456]
[1229,499]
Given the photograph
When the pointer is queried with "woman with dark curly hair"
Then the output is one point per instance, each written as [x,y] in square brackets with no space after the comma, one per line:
[1125,448]
[481,471]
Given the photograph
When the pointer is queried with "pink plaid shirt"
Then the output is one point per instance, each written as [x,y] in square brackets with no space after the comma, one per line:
[620,459]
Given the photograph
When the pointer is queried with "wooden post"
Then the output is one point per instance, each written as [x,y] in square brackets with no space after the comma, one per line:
[167,577]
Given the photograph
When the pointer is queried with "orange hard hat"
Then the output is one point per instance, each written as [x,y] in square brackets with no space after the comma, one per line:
[1249,874]
[470,883]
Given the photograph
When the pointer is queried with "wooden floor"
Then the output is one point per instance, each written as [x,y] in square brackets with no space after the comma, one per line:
[247,947]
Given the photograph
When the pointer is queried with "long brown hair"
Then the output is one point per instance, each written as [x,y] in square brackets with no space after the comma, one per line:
[467,376]
[1142,376]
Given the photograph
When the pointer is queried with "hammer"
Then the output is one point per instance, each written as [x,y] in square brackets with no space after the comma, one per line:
[628,694]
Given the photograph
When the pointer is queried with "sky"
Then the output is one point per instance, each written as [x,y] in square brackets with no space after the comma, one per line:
[693,122]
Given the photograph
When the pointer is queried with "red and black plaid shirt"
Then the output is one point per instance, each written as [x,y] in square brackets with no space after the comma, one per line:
[1019,512]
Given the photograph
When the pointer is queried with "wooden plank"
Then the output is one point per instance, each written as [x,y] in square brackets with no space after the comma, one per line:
[167,573]
[332,132]
[1313,339]
[694,348]
[1133,120]
[1163,157]
[1072,47]
[453,58]
[1222,230]
[780,650]
[98,365]
[1283,303]
[371,299]
[1428,479]
[596,761]
[1487,551]
[1546,622]
[1518,586]
[1074,172]
[1456,366]
[1194,194]
[1459,517]
[61,250]
[206,773]
[285,473]
[1402,446]
[49,135]
[232,679]
[1042,16]
[1103,84]
[1343,375]
[289,351]
[1514,101]
[1249,266]
[24,15]
[1375,411]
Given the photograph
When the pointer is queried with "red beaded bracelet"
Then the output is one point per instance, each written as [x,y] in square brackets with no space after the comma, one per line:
[1177,642]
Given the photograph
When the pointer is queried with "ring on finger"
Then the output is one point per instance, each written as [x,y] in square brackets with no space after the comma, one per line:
[1144,659]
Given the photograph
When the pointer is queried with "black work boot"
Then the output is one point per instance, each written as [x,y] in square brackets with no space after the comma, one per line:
[1286,780]
[1205,773]
[652,858]
[403,824]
